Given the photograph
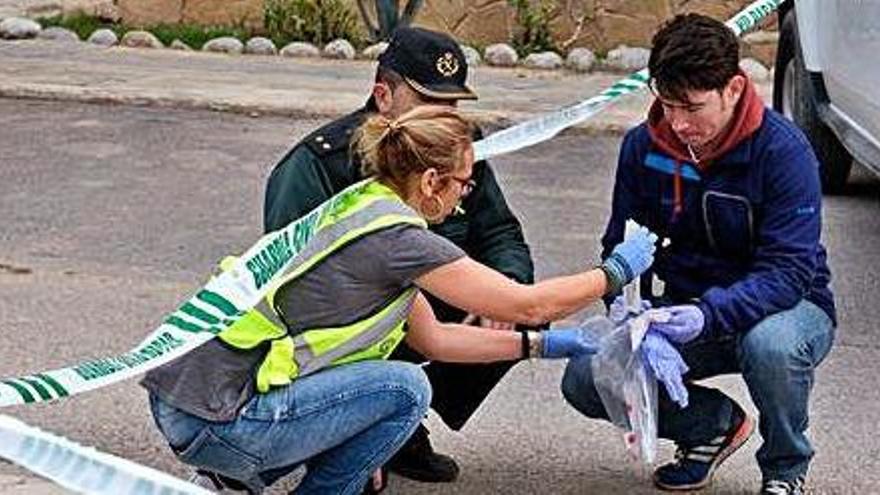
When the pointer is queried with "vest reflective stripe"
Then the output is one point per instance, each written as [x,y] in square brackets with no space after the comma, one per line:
[374,207]
[322,347]
[385,213]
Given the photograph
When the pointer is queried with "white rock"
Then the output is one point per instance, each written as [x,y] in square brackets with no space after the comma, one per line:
[260,46]
[58,34]
[372,52]
[627,59]
[341,49]
[141,39]
[16,28]
[755,70]
[224,44]
[180,45]
[104,37]
[501,55]
[543,61]
[580,59]
[471,56]
[300,49]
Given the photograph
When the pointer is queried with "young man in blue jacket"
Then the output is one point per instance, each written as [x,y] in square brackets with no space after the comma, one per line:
[733,188]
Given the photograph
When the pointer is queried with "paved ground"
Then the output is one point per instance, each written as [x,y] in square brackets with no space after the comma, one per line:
[114,214]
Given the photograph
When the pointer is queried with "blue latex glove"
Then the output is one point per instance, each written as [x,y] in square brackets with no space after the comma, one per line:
[667,365]
[629,259]
[618,312]
[684,325]
[568,343]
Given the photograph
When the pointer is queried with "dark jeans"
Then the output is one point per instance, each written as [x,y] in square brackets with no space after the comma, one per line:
[777,359]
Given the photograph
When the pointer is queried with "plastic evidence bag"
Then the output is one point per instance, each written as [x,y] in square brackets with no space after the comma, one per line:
[627,388]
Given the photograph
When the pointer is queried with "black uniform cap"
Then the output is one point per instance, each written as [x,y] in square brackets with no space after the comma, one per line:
[431,63]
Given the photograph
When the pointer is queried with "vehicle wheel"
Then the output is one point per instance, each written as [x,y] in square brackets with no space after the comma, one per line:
[793,96]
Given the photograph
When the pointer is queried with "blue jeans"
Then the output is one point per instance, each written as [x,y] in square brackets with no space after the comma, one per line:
[777,359]
[343,423]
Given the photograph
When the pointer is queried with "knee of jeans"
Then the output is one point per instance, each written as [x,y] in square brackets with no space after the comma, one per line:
[412,379]
[578,387]
[763,351]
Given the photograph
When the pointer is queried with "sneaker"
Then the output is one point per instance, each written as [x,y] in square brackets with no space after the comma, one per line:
[783,487]
[216,483]
[417,460]
[694,466]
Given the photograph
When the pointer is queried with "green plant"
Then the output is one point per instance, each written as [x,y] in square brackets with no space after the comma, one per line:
[192,35]
[81,24]
[387,16]
[532,33]
[315,21]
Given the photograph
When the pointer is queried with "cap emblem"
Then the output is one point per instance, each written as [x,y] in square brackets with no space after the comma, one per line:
[447,64]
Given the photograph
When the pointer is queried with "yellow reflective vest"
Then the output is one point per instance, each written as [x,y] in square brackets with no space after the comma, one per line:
[372,208]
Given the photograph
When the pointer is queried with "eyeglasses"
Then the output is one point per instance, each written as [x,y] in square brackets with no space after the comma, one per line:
[467,185]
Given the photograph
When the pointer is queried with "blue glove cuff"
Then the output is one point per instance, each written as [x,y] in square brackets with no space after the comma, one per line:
[618,272]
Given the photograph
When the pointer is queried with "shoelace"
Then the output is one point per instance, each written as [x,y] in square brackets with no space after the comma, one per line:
[780,487]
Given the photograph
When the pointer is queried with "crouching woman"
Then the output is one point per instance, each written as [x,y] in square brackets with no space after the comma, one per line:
[302,378]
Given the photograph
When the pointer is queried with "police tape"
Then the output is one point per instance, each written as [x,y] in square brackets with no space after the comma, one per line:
[225,298]
[214,308]
[83,469]
[545,127]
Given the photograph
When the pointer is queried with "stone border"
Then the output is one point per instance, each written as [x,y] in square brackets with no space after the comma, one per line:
[623,59]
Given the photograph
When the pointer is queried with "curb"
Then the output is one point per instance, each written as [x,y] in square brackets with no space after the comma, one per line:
[488,119]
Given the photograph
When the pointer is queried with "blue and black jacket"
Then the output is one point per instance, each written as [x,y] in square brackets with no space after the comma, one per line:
[744,232]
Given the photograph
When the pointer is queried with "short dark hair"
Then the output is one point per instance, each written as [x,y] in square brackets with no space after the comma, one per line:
[692,52]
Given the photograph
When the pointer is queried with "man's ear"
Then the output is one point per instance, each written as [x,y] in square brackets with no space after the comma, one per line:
[736,87]
[383,97]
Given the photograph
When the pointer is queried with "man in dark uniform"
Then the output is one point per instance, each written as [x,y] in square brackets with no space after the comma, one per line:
[418,67]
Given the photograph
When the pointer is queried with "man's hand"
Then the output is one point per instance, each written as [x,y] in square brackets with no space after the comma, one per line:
[484,322]
[685,323]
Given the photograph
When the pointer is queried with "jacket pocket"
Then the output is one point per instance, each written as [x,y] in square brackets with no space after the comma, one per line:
[209,451]
[729,224]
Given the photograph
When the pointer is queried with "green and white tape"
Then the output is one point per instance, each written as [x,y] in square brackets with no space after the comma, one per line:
[83,469]
[545,127]
[225,297]
[215,307]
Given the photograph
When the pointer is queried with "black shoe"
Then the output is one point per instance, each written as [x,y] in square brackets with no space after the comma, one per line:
[417,460]
[216,483]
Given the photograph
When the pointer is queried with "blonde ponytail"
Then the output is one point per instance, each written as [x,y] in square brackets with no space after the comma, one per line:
[428,136]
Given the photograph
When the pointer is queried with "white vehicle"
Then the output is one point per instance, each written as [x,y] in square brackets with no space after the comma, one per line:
[828,81]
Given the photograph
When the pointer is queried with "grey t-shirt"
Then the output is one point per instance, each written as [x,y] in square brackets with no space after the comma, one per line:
[215,380]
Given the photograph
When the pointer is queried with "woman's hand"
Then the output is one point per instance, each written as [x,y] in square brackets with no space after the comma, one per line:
[567,343]
[629,259]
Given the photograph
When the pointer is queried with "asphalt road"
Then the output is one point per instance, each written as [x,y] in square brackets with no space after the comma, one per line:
[112,215]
